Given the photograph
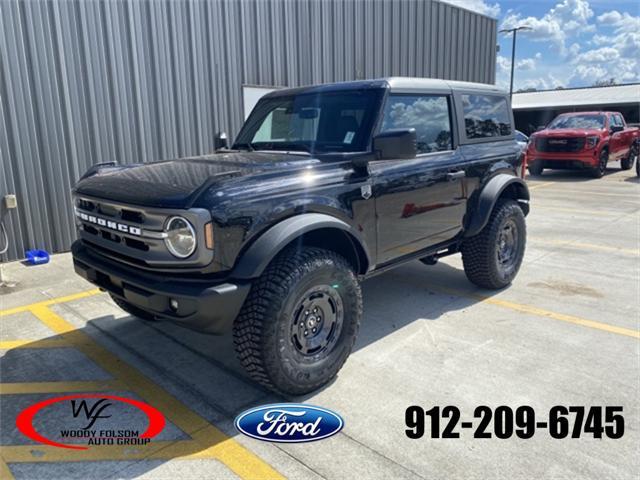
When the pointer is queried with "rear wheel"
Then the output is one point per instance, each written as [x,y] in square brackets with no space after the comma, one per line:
[492,258]
[536,168]
[627,162]
[132,310]
[603,159]
[299,322]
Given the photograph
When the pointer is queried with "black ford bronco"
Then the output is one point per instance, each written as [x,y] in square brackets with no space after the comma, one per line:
[324,186]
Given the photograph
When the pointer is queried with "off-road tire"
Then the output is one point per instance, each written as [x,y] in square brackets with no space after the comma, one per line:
[132,310]
[262,331]
[627,162]
[480,252]
[535,168]
[603,159]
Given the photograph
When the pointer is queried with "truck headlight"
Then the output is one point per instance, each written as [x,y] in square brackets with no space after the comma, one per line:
[592,141]
[181,237]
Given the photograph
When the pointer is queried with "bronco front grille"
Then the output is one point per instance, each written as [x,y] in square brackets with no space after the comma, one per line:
[125,232]
[564,144]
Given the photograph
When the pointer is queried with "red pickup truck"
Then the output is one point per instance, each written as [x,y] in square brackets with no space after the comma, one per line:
[584,140]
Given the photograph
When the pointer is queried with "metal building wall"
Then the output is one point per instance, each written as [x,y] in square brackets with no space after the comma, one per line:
[83,82]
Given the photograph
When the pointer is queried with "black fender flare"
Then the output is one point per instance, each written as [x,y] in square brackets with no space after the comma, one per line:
[488,197]
[256,258]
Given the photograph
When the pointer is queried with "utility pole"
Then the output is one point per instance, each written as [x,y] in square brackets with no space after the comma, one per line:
[514,31]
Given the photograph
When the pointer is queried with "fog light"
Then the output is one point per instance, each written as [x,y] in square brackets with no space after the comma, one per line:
[174,304]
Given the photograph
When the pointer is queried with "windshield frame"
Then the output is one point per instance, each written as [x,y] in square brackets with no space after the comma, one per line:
[559,118]
[255,120]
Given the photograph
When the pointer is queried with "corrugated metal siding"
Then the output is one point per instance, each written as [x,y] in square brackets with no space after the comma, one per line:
[83,82]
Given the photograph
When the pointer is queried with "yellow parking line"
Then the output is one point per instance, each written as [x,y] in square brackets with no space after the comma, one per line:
[42,343]
[52,301]
[58,387]
[582,211]
[5,472]
[540,312]
[211,441]
[587,246]
[631,195]
[541,185]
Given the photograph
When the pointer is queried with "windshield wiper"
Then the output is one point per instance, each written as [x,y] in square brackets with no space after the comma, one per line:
[248,146]
[292,146]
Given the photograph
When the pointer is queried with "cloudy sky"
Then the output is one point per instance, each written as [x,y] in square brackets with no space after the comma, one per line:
[573,43]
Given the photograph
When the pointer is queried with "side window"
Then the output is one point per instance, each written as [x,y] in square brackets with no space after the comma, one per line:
[619,120]
[486,116]
[428,114]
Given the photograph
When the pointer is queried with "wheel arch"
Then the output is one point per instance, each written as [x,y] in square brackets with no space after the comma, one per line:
[307,229]
[500,186]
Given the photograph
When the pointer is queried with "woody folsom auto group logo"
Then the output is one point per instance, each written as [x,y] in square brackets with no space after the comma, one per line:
[89,409]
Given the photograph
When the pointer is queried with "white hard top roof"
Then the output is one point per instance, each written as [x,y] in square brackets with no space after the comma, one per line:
[436,83]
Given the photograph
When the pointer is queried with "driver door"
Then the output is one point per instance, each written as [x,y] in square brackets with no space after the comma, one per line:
[419,202]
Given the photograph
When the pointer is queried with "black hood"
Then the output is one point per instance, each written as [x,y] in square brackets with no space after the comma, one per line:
[178,183]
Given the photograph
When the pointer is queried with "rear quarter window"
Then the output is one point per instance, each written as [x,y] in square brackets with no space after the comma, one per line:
[486,116]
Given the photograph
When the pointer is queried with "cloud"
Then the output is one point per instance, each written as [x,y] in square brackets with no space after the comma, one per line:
[604,54]
[611,51]
[479,6]
[546,82]
[610,18]
[526,64]
[504,63]
[617,54]
[566,18]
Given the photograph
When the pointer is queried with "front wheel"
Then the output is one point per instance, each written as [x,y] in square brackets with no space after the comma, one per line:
[536,168]
[627,162]
[492,258]
[603,159]
[300,320]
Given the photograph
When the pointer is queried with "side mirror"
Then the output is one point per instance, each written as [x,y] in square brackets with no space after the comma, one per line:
[540,128]
[397,144]
[221,141]
[616,128]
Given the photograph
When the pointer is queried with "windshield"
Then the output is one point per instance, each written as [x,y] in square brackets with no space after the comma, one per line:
[315,123]
[578,121]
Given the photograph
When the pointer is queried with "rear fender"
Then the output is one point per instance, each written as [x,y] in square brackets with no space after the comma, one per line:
[501,186]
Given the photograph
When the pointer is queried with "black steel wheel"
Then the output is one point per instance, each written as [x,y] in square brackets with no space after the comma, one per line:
[492,258]
[300,320]
[603,159]
[317,322]
[507,245]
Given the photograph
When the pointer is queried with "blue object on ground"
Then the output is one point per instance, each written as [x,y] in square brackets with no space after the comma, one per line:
[37,257]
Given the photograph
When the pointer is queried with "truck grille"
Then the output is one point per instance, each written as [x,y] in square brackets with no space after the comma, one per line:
[134,235]
[553,144]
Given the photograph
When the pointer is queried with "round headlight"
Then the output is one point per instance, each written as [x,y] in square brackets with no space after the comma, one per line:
[181,237]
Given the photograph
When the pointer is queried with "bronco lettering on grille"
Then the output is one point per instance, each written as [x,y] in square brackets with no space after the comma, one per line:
[110,224]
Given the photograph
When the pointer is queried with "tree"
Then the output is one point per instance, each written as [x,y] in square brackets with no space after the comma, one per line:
[605,83]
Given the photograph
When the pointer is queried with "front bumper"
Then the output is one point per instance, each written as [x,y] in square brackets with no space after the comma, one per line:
[582,159]
[201,305]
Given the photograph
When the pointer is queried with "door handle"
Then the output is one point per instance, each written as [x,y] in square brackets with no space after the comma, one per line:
[451,176]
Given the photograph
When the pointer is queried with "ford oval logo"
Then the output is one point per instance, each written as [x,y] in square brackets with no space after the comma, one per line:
[289,422]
